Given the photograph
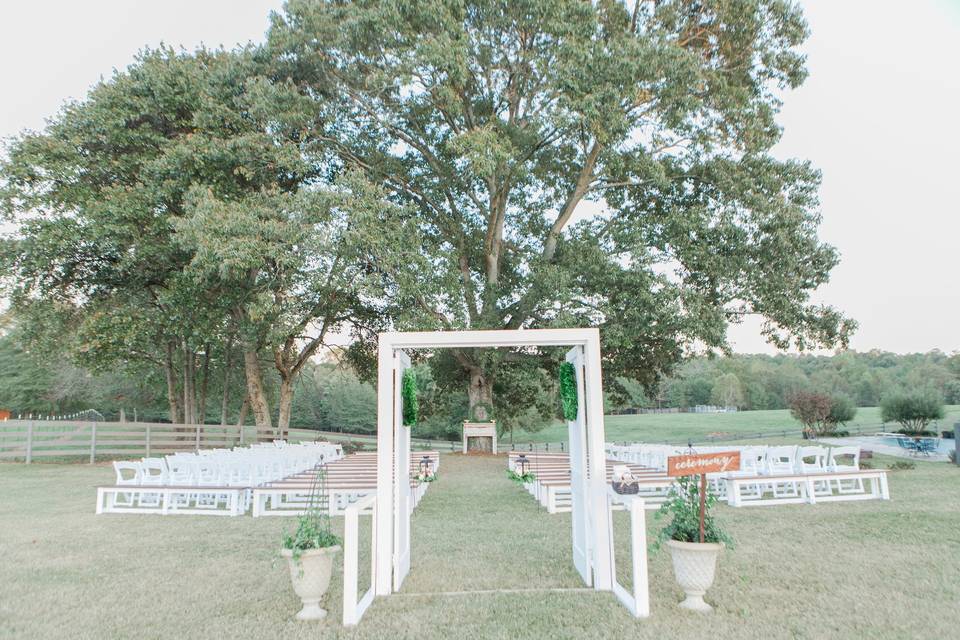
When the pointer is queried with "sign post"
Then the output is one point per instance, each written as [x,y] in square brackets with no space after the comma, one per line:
[691,465]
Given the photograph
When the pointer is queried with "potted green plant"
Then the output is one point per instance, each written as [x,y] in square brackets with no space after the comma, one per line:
[693,538]
[310,551]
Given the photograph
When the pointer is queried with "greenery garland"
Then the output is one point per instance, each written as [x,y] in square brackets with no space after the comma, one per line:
[568,391]
[408,397]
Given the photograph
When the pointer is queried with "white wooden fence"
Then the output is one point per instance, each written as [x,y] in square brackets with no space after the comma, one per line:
[28,440]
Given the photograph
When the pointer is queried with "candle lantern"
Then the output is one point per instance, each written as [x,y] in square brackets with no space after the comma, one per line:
[522,465]
[425,469]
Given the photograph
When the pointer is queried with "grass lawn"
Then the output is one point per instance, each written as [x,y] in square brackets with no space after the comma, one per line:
[859,569]
[677,427]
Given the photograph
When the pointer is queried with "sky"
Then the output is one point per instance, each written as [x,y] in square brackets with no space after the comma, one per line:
[878,116]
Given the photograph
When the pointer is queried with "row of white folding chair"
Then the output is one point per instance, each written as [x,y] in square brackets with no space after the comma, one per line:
[205,469]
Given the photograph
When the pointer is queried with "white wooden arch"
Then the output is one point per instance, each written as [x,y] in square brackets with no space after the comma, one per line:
[591,537]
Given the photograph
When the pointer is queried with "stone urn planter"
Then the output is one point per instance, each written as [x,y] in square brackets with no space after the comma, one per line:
[694,566]
[311,578]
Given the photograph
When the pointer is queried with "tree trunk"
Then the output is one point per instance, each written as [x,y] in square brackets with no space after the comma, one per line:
[202,401]
[173,399]
[480,392]
[225,401]
[258,399]
[244,410]
[286,402]
[189,394]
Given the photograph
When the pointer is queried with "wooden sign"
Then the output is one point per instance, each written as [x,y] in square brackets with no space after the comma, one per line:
[703,463]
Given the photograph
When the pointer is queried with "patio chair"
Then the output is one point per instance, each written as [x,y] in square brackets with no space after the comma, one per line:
[909,444]
[928,446]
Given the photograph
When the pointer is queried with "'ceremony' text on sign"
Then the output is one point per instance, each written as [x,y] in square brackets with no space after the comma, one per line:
[704,463]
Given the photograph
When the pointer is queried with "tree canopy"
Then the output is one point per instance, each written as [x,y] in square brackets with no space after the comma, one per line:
[577,163]
[427,165]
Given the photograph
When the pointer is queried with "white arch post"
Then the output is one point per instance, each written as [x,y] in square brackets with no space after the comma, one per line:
[393,445]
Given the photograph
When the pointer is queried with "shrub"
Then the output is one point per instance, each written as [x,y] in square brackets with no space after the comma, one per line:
[842,411]
[350,447]
[811,410]
[836,433]
[914,410]
[902,465]
[821,414]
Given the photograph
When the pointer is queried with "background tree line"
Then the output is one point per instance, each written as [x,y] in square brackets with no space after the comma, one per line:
[753,382]
[330,396]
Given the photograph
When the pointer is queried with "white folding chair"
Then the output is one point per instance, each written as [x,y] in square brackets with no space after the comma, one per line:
[751,465]
[128,473]
[843,459]
[153,472]
[782,461]
[814,460]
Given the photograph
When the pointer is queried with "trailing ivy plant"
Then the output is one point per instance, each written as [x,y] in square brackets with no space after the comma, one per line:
[683,504]
[521,478]
[408,396]
[568,391]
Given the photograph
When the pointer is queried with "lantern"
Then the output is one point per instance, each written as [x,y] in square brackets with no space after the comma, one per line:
[522,465]
[425,469]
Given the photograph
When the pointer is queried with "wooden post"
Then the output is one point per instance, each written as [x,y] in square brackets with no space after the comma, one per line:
[241,433]
[148,439]
[30,442]
[93,441]
[197,445]
[703,503]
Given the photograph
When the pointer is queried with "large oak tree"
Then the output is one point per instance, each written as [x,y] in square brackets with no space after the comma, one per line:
[577,163]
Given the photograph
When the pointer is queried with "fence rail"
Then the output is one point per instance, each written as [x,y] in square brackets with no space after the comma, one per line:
[28,440]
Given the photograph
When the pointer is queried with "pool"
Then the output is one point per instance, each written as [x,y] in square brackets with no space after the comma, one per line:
[943,445]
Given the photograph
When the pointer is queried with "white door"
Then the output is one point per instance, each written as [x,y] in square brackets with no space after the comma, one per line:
[401,484]
[578,477]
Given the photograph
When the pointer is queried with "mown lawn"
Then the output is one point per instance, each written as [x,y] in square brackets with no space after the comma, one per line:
[677,427]
[853,570]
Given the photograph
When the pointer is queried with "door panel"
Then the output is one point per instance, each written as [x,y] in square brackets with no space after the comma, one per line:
[401,470]
[578,479]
